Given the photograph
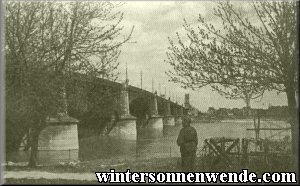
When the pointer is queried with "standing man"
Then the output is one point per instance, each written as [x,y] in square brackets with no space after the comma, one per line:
[188,141]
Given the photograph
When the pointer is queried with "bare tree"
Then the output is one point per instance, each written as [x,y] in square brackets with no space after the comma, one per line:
[249,53]
[44,41]
[200,63]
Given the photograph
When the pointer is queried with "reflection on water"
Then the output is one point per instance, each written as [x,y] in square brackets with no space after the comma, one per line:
[149,144]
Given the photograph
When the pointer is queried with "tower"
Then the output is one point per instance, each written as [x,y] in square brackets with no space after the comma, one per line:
[187,100]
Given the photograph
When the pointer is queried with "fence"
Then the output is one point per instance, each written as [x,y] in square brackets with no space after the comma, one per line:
[243,152]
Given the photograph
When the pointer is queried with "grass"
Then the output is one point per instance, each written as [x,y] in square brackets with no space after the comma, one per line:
[172,164]
[150,165]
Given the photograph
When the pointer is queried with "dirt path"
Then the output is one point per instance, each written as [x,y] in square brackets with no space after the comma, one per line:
[49,175]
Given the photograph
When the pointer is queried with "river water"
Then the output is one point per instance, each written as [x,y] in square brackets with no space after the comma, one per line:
[148,145]
[98,147]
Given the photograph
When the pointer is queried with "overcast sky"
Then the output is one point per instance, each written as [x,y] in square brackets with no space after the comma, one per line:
[154,22]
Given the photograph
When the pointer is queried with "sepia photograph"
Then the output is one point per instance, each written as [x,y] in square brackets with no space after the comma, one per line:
[149,92]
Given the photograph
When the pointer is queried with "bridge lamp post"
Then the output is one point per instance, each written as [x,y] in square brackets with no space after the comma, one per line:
[153,86]
[141,79]
[159,90]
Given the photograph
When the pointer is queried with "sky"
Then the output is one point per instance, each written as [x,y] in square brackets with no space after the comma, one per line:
[154,22]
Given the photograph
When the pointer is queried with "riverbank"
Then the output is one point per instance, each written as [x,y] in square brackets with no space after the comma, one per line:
[84,172]
[141,165]
[44,181]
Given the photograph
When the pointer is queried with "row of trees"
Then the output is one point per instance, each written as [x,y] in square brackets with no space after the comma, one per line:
[44,41]
[243,56]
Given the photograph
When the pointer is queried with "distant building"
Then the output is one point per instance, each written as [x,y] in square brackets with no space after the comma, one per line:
[272,111]
[247,111]
[224,112]
[277,111]
[192,111]
[237,112]
[211,111]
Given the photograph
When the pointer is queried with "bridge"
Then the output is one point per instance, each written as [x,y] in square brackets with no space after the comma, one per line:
[106,104]
[97,106]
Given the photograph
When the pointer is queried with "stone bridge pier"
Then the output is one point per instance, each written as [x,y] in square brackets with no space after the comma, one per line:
[125,128]
[178,116]
[58,140]
[169,119]
[155,122]
[124,133]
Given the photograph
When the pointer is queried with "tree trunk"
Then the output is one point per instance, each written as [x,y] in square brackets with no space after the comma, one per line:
[290,92]
[247,100]
[293,120]
[248,105]
[37,127]
[34,146]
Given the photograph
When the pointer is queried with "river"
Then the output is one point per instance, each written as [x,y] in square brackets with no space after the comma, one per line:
[98,147]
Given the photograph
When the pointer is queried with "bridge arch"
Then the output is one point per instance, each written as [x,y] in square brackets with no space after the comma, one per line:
[140,108]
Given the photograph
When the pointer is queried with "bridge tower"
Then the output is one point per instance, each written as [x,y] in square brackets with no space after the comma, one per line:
[187,101]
